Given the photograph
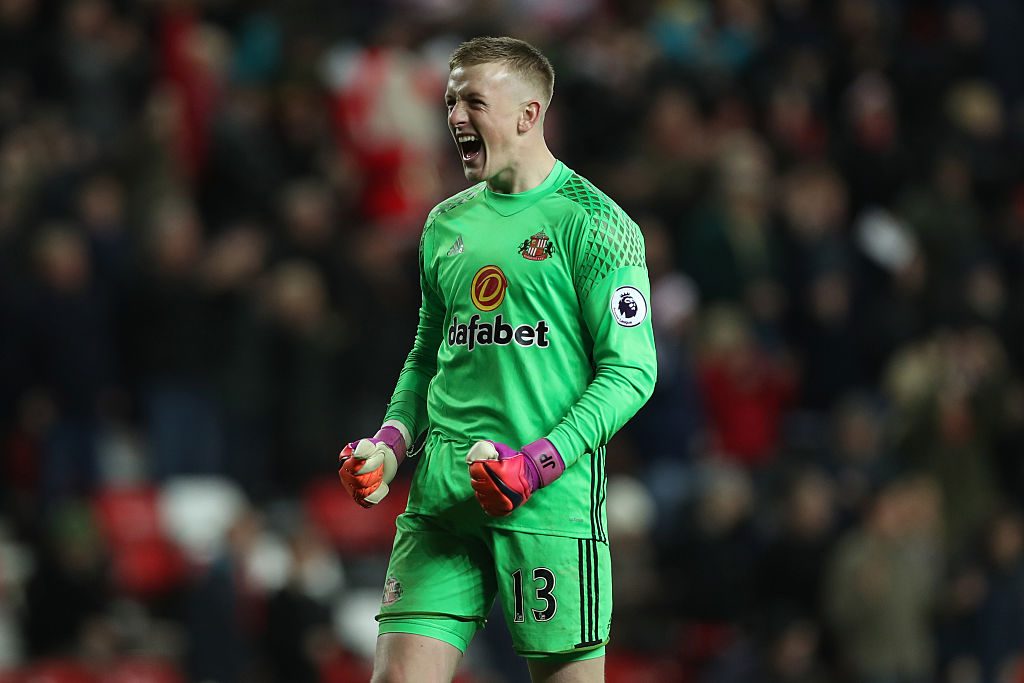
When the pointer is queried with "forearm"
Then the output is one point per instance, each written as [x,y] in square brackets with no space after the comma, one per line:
[611,399]
[408,404]
[407,411]
[625,365]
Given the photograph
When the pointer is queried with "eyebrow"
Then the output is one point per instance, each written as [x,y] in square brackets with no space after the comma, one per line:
[465,95]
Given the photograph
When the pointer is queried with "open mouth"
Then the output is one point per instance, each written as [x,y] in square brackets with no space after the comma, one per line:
[470,146]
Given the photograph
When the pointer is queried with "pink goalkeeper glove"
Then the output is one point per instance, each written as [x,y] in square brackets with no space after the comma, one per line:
[367,466]
[504,478]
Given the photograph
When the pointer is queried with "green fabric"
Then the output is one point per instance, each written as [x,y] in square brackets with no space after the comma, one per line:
[574,656]
[613,241]
[455,633]
[444,574]
[542,354]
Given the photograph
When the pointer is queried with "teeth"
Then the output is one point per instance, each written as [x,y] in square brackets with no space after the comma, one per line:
[466,138]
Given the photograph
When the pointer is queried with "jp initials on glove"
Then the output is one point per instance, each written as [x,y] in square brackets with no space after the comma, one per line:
[504,478]
[367,466]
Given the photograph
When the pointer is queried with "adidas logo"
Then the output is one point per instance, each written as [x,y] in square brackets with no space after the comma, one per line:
[457,248]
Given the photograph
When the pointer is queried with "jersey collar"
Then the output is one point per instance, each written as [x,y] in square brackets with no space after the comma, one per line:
[510,204]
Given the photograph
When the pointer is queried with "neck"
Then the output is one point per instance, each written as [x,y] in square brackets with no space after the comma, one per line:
[528,173]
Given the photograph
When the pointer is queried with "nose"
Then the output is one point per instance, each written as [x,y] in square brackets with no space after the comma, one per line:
[457,115]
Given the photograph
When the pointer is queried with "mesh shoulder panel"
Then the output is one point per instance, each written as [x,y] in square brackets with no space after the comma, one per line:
[612,240]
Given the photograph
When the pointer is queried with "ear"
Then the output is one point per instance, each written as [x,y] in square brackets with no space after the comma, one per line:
[529,116]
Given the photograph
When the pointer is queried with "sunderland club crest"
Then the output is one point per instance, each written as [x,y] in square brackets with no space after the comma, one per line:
[392,591]
[537,248]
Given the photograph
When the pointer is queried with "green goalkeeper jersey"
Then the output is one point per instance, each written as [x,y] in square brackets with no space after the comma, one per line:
[534,323]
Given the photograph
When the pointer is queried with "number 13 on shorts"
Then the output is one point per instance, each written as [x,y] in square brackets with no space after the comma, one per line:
[557,597]
[545,593]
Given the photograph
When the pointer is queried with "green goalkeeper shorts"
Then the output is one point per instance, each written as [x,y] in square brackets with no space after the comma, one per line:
[555,591]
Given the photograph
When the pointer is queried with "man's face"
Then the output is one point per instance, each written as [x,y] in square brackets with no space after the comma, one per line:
[484,106]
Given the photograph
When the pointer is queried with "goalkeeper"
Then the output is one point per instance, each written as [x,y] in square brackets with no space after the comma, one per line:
[533,347]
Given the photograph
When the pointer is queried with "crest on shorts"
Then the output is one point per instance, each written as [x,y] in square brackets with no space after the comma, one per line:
[392,591]
[537,248]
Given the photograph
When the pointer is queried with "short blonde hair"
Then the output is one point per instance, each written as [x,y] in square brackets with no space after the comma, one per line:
[518,55]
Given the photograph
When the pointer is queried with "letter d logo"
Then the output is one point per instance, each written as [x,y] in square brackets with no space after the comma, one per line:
[488,288]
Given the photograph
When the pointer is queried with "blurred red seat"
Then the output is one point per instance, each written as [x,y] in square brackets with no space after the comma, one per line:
[349,527]
[628,667]
[128,514]
[142,671]
[146,563]
[57,671]
[148,568]
[344,667]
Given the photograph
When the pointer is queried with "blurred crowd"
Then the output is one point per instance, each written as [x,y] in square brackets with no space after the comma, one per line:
[209,216]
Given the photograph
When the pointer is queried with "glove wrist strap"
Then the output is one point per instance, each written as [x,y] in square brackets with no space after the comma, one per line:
[546,461]
[394,440]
